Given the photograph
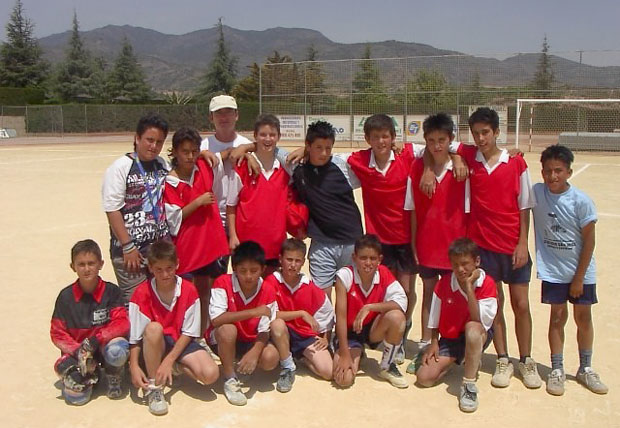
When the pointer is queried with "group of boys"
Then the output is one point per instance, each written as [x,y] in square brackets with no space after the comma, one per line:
[419,204]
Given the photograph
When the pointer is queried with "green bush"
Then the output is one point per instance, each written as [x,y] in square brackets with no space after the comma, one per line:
[21,96]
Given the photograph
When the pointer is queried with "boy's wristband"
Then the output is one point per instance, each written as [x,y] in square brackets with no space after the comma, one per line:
[129,247]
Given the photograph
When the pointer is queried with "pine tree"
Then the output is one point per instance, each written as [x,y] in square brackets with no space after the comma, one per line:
[21,64]
[543,79]
[429,89]
[248,88]
[127,79]
[315,77]
[369,92]
[73,78]
[222,72]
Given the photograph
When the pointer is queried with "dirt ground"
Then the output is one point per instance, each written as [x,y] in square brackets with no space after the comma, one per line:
[51,194]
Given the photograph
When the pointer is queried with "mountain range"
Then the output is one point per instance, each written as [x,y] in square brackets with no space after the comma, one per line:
[177,62]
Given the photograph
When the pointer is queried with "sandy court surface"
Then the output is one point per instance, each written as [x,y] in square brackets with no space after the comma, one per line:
[51,195]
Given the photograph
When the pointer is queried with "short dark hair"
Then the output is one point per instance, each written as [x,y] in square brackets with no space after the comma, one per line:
[438,122]
[86,246]
[368,241]
[463,247]
[267,119]
[379,122]
[484,115]
[183,134]
[293,244]
[320,129]
[557,152]
[162,250]
[248,251]
[152,120]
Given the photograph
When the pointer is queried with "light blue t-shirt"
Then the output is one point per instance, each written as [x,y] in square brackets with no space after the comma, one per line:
[558,220]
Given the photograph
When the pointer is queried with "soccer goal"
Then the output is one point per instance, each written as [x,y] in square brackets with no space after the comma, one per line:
[581,124]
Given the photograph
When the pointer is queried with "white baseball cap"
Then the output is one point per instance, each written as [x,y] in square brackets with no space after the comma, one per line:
[222,101]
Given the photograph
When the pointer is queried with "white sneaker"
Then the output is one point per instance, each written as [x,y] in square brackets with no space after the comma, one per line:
[157,401]
[555,382]
[591,380]
[529,373]
[233,393]
[503,372]
[394,376]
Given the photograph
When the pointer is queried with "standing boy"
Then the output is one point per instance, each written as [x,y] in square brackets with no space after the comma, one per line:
[436,221]
[370,309]
[133,188]
[165,321]
[325,184]
[308,313]
[564,220]
[89,326]
[462,311]
[501,199]
[243,310]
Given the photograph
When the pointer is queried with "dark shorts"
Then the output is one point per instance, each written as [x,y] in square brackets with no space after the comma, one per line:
[430,272]
[399,258]
[241,348]
[358,340]
[192,347]
[499,266]
[299,343]
[214,269]
[455,348]
[554,293]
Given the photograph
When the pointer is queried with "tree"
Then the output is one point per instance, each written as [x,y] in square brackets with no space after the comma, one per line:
[73,78]
[21,64]
[315,77]
[543,79]
[430,91]
[248,88]
[367,83]
[281,77]
[127,78]
[222,72]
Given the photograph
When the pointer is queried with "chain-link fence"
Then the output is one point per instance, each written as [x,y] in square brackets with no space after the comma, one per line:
[345,92]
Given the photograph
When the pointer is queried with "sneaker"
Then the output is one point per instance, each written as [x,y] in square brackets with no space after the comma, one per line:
[115,388]
[555,382]
[415,363]
[399,358]
[529,373]
[503,372]
[286,380]
[394,376]
[468,399]
[591,380]
[233,393]
[156,400]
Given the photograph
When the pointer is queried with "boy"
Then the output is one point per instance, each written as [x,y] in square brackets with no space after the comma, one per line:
[325,184]
[305,308]
[89,326]
[438,220]
[165,321]
[501,199]
[370,309]
[242,310]
[564,220]
[133,189]
[462,311]
[256,206]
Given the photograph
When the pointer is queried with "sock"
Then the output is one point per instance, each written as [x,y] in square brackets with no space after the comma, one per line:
[557,362]
[465,380]
[288,363]
[522,358]
[232,376]
[389,351]
[585,359]
[502,356]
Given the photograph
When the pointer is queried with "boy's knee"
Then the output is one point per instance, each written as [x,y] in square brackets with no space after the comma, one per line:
[346,381]
[208,374]
[278,328]
[521,306]
[424,378]
[473,332]
[116,352]
[269,358]
[583,318]
[397,319]
[153,331]
[226,333]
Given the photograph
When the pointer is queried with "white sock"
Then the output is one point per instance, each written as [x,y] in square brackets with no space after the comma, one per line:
[389,352]
[288,363]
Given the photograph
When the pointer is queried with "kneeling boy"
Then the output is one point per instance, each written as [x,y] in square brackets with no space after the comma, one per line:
[308,313]
[242,311]
[165,321]
[89,326]
[370,308]
[463,308]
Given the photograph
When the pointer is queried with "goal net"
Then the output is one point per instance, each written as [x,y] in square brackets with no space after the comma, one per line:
[581,124]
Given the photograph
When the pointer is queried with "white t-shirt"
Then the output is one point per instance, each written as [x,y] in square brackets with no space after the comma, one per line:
[220,187]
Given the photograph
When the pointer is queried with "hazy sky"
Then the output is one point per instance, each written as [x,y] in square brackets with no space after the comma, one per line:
[470,26]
